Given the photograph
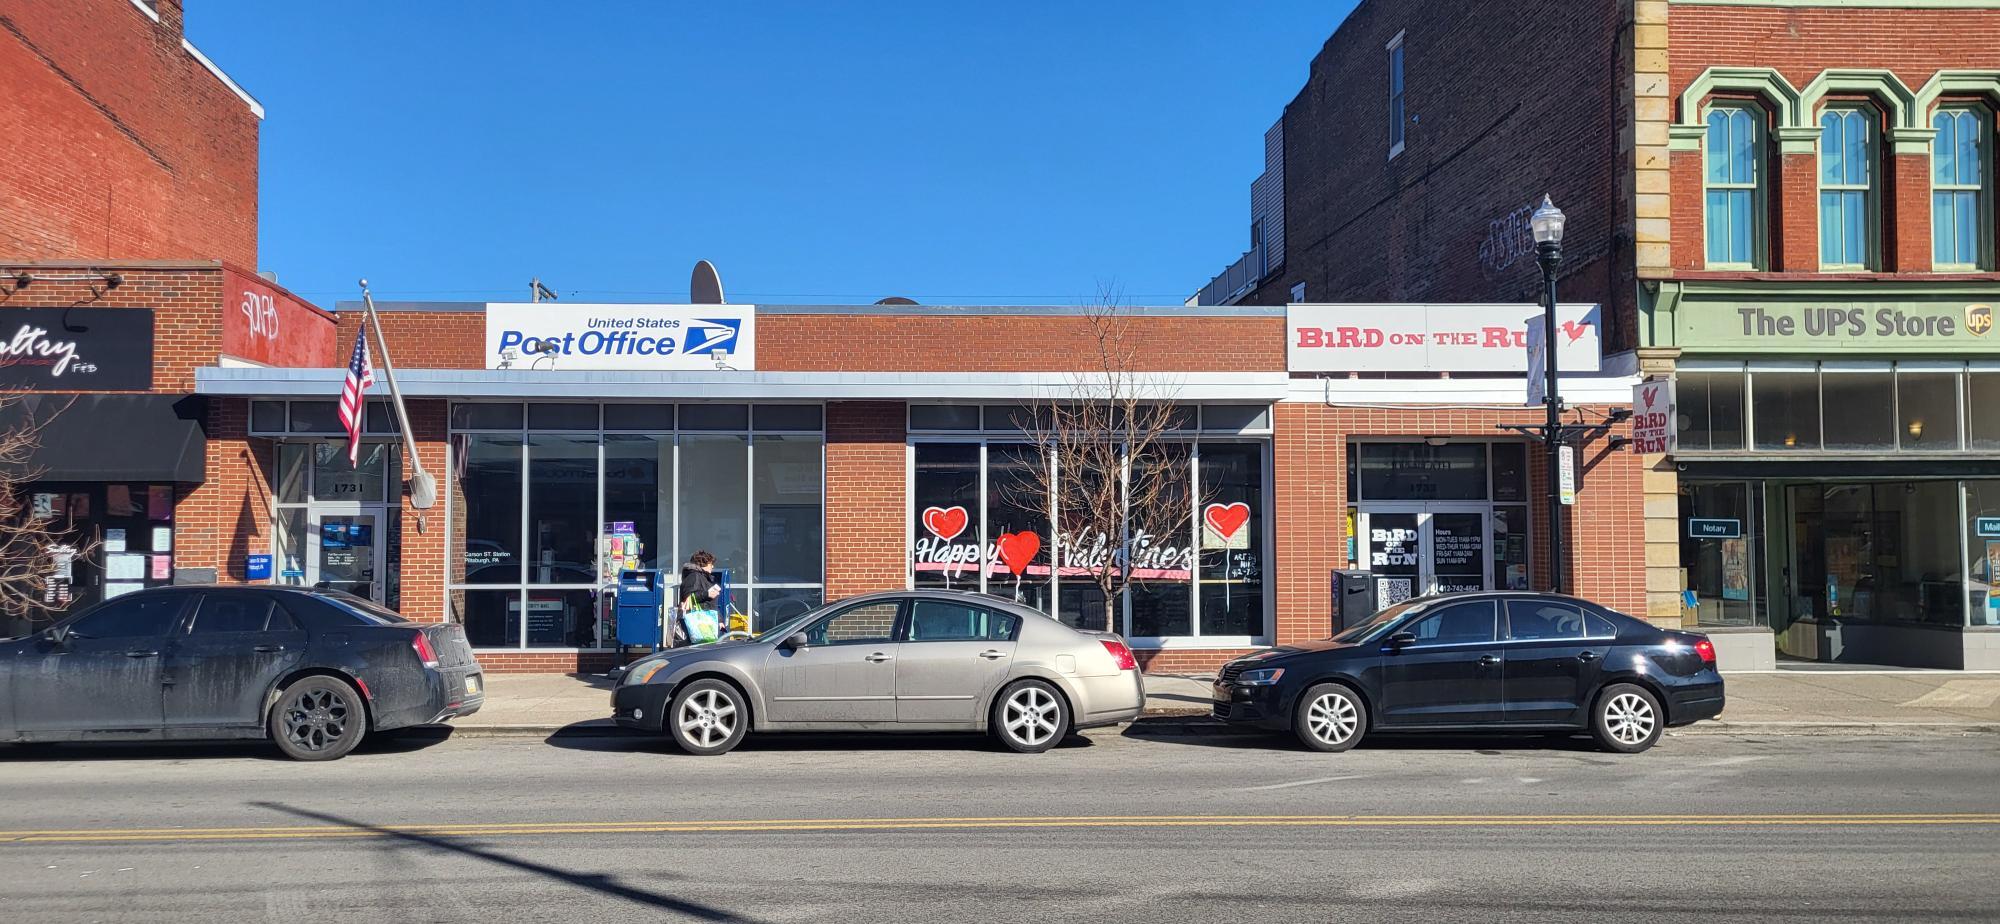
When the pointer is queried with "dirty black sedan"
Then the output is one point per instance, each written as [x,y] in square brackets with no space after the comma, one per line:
[1482,662]
[315,671]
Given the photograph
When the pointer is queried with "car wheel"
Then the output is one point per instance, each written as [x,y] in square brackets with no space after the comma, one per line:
[1030,717]
[1627,719]
[1330,717]
[318,718]
[708,717]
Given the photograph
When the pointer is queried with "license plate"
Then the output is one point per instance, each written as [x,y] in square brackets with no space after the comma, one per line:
[472,684]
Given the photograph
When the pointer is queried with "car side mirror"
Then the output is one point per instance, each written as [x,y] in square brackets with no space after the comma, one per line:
[1403,638]
[794,642]
[58,636]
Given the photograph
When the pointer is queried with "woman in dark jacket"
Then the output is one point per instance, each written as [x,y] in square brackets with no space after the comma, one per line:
[698,580]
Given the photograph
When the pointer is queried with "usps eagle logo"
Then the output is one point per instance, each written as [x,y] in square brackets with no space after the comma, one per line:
[708,336]
[1979,319]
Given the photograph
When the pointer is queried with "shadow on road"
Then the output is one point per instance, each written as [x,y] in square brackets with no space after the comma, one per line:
[595,882]
[400,741]
[1216,735]
[586,737]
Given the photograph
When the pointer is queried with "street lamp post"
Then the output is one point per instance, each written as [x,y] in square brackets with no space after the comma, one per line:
[1547,223]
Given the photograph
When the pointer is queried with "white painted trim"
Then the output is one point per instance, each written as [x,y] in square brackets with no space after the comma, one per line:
[1853,4]
[1480,394]
[151,13]
[256,108]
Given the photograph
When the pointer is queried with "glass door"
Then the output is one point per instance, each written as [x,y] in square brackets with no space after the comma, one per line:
[1419,549]
[345,553]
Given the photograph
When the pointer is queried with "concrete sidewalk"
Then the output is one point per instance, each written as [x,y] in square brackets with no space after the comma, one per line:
[1800,702]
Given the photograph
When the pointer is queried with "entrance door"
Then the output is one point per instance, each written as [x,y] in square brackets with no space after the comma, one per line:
[345,553]
[1425,548]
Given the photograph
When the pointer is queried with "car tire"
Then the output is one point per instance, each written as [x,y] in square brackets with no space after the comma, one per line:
[317,718]
[1330,717]
[708,717]
[1627,718]
[1029,717]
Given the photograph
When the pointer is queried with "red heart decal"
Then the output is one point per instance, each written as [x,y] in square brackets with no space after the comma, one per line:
[1017,550]
[1226,519]
[945,522]
[1575,330]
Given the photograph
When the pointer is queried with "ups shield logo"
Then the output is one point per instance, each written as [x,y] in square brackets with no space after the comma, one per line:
[1979,319]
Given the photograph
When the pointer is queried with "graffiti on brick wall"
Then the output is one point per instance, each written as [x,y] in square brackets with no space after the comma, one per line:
[1508,240]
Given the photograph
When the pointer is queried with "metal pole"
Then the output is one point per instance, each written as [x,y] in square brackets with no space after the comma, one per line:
[423,486]
[1549,255]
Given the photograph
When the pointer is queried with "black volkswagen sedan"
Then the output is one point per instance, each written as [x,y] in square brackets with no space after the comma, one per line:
[1484,662]
[313,670]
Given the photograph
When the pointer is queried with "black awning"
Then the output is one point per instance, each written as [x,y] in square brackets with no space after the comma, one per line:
[112,437]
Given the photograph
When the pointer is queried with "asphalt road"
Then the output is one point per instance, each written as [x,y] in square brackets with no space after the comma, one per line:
[1154,825]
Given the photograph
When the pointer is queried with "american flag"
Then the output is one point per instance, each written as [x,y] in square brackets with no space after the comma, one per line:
[360,375]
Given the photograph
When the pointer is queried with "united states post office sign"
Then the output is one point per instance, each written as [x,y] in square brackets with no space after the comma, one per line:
[1434,338]
[76,349]
[661,338]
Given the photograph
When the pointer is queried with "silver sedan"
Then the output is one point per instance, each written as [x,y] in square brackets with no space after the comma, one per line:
[915,660]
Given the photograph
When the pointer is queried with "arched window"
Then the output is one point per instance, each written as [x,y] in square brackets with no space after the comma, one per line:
[1847,188]
[1961,189]
[1733,180]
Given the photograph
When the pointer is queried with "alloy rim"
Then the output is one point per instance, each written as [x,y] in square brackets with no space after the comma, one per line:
[316,720]
[1332,718]
[1031,716]
[708,718]
[1629,718]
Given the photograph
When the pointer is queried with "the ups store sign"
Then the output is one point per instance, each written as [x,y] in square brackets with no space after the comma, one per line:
[1713,318]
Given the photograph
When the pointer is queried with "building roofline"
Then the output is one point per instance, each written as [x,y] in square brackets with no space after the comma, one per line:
[1150,311]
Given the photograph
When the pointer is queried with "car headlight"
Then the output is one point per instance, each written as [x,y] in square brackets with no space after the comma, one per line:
[644,672]
[1260,678]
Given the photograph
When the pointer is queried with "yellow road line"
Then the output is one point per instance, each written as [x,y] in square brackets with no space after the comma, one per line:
[691,826]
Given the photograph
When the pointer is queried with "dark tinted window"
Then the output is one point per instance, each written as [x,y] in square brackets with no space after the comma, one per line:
[146,616]
[231,613]
[1600,627]
[281,621]
[944,417]
[786,416]
[1456,624]
[363,610]
[1536,619]
[715,417]
[946,621]
[638,417]
[486,417]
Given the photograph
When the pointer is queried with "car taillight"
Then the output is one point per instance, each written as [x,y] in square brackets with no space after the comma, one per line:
[422,643]
[1120,654]
[1706,649]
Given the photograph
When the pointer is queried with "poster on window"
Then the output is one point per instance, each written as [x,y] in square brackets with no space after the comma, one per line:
[1391,591]
[1735,569]
[945,546]
[1993,576]
[1225,526]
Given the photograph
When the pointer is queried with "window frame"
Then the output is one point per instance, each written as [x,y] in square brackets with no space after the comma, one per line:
[1870,188]
[191,627]
[1398,95]
[1982,119]
[1582,620]
[1492,605]
[909,624]
[898,624]
[1758,187]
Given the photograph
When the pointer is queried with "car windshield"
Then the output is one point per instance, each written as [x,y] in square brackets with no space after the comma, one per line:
[1368,630]
[363,608]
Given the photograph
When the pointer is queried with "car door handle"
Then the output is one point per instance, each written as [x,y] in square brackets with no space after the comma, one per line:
[878,658]
[992,655]
[140,653]
[267,649]
[1586,656]
[1488,661]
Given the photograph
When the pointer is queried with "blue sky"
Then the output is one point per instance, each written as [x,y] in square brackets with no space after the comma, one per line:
[1027,152]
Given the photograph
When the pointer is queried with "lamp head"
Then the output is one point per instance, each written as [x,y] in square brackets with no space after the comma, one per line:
[1547,222]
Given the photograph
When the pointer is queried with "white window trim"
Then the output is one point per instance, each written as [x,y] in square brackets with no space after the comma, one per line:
[1398,60]
[1871,191]
[1759,188]
[1983,122]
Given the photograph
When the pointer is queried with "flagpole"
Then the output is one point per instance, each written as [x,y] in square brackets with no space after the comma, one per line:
[423,487]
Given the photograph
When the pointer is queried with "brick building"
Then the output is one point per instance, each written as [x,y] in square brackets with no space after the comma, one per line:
[128,242]
[1784,206]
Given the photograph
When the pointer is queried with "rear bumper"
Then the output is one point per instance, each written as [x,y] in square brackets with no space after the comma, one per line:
[1695,702]
[449,693]
[1110,699]
[641,706]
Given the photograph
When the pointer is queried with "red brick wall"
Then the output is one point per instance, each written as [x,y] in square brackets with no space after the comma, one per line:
[228,517]
[1490,132]
[186,302]
[867,505]
[1801,43]
[120,145]
[424,339]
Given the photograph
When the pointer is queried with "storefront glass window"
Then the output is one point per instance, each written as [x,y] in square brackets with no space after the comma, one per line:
[1982,503]
[1711,410]
[562,417]
[639,489]
[714,499]
[946,540]
[1420,471]
[787,490]
[1787,405]
[363,481]
[1162,604]
[1865,410]
[1874,552]
[1722,571]
[486,515]
[1510,472]
[1231,526]
[1982,398]
[1927,410]
[562,510]
[1020,546]
[294,472]
[489,617]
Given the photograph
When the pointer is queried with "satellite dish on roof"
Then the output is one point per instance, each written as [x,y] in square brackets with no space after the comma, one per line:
[705,287]
[897,300]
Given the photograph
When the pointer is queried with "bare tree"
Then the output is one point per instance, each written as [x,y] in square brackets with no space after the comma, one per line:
[36,546]
[1118,487]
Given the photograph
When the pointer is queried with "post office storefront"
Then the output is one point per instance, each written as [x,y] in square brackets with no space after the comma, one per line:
[1839,463]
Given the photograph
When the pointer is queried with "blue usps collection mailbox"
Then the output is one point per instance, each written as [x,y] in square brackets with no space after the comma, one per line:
[640,597]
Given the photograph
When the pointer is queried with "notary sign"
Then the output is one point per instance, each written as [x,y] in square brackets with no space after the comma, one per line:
[1434,338]
[1653,429]
[550,336]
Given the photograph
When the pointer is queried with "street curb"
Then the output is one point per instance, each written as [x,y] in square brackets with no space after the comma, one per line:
[1190,722]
